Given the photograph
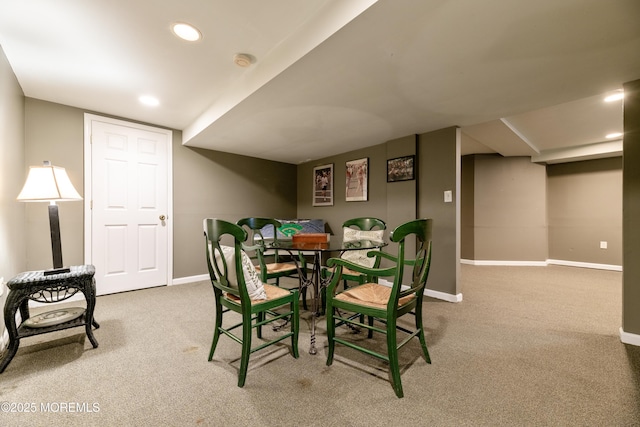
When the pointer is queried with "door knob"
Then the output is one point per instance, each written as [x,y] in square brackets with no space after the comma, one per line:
[162,217]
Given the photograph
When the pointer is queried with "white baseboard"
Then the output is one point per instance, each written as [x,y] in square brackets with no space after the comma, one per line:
[629,338]
[585,265]
[430,293]
[543,264]
[504,263]
[443,296]
[190,279]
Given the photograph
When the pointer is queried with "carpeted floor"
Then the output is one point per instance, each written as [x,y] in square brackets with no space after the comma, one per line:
[534,346]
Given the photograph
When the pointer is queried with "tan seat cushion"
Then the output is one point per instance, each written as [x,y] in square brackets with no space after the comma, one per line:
[346,270]
[278,267]
[273,292]
[371,295]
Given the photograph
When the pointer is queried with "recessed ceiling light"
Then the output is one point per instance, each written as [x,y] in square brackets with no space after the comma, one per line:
[151,101]
[615,97]
[186,32]
[613,135]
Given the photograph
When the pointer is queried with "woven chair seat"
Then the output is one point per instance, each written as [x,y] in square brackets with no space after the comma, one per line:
[346,271]
[278,267]
[371,295]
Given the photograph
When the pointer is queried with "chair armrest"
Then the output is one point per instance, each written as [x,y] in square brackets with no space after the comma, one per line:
[383,255]
[339,263]
[378,272]
[257,247]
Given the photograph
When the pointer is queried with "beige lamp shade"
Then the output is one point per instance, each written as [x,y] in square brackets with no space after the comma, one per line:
[48,183]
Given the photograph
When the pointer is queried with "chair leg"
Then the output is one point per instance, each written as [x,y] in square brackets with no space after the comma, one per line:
[261,316]
[216,332]
[423,342]
[392,349]
[331,332]
[246,349]
[295,326]
[362,282]
[370,332]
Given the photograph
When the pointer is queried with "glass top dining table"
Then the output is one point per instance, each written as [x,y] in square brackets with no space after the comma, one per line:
[315,282]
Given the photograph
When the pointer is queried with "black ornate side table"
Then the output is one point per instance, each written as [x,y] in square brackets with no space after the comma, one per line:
[35,286]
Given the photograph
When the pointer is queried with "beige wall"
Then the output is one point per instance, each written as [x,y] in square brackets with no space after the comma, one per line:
[398,202]
[467,209]
[55,132]
[631,210]
[439,171]
[13,255]
[585,208]
[205,184]
[402,196]
[220,185]
[515,210]
[342,210]
[507,207]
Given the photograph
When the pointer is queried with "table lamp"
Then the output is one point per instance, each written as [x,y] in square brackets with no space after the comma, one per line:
[48,183]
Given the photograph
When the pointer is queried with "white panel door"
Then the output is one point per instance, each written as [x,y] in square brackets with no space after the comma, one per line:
[129,205]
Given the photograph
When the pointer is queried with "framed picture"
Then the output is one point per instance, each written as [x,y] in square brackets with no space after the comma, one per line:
[357,180]
[401,169]
[323,185]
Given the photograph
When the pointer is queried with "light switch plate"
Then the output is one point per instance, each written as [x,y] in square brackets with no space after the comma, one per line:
[448,196]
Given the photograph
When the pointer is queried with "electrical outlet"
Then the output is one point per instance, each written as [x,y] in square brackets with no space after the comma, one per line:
[603,245]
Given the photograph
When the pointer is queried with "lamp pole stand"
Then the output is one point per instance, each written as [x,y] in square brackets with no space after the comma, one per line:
[56,244]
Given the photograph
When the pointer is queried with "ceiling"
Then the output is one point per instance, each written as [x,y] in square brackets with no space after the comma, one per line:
[520,78]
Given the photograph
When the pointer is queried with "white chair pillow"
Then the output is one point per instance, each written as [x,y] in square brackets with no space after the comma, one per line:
[255,287]
[360,257]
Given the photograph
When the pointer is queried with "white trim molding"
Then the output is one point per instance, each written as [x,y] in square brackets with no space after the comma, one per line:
[585,265]
[428,292]
[543,264]
[504,263]
[443,296]
[629,338]
[189,279]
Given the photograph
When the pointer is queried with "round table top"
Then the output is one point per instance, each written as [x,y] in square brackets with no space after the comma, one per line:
[330,246]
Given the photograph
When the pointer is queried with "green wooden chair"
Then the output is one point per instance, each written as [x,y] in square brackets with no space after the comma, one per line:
[255,245]
[238,288]
[383,303]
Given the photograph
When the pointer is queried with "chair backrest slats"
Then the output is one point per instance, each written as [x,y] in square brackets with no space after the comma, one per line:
[214,230]
[365,223]
[422,229]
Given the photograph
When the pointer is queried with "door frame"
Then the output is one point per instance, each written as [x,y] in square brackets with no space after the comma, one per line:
[88,196]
